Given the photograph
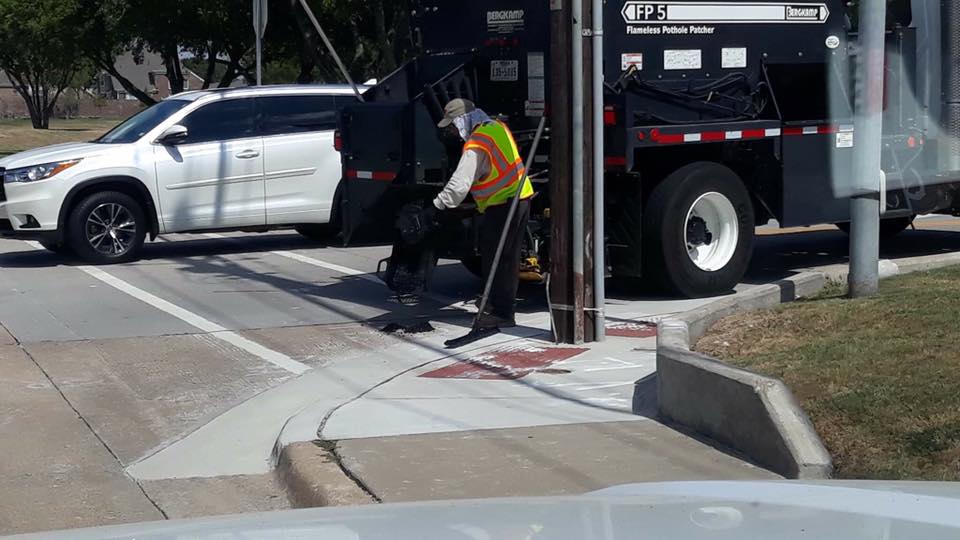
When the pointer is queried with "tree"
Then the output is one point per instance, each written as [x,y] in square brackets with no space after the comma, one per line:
[223,35]
[105,31]
[215,38]
[372,37]
[37,52]
[218,33]
[76,86]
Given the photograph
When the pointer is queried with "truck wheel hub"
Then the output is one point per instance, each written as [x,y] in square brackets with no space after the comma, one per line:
[712,231]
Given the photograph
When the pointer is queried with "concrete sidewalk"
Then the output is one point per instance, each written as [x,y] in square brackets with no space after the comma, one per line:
[544,460]
[370,384]
[517,415]
[55,473]
[58,471]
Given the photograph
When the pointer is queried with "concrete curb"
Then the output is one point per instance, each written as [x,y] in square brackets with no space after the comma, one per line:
[895,267]
[313,477]
[750,413]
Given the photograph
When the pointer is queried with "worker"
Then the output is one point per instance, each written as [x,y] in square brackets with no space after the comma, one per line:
[491,170]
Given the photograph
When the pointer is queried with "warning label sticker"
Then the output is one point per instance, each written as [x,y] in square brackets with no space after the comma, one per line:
[505,70]
[682,59]
[845,139]
[628,60]
[733,57]
[535,104]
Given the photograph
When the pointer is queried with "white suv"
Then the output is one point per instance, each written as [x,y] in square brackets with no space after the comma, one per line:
[244,158]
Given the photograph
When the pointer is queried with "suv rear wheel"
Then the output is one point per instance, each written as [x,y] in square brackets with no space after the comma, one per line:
[108,227]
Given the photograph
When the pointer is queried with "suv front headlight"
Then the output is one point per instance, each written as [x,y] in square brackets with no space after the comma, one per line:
[38,172]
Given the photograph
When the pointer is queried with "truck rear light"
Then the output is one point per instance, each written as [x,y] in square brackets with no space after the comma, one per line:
[615,161]
[337,141]
[609,116]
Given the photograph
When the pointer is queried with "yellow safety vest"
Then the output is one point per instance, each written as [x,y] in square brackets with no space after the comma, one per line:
[507,172]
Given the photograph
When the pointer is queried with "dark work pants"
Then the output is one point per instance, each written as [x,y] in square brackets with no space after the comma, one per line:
[503,293]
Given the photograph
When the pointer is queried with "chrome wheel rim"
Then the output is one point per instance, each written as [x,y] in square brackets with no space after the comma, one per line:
[111,229]
[712,231]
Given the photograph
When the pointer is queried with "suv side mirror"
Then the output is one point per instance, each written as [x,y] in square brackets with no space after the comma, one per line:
[174,135]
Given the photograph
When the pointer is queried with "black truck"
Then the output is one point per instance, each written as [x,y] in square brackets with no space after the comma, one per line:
[719,116]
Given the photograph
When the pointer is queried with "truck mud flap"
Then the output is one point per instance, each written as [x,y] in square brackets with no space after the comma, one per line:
[372,171]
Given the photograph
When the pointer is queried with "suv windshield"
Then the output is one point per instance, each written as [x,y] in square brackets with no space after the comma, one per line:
[139,124]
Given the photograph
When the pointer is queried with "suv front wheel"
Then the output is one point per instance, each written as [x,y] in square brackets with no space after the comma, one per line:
[108,227]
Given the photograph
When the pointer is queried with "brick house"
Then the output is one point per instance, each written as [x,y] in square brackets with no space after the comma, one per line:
[106,97]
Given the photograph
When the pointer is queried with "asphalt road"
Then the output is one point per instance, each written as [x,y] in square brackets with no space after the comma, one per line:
[125,359]
[243,282]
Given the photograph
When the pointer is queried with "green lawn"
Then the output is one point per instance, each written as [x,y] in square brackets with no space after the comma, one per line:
[880,377]
[18,135]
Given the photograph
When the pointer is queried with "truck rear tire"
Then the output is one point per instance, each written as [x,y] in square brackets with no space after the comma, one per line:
[888,227]
[698,231]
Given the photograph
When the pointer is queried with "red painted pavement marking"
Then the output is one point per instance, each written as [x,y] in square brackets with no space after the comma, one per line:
[631,329]
[503,364]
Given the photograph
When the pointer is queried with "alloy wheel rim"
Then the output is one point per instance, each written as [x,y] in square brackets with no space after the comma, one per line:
[110,229]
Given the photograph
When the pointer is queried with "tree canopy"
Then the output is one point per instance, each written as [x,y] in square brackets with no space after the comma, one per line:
[44,43]
[38,52]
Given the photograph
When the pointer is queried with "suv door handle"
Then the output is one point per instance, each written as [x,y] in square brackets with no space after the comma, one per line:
[248,154]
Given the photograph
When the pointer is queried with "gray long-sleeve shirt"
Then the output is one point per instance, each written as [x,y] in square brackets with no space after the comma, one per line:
[473,166]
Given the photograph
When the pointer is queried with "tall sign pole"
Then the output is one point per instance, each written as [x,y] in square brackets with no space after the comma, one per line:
[863,278]
[578,147]
[598,231]
[259,27]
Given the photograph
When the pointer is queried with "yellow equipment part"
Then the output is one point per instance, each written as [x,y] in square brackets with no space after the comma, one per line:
[530,270]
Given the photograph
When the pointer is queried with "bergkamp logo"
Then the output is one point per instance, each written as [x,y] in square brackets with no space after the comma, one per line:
[507,16]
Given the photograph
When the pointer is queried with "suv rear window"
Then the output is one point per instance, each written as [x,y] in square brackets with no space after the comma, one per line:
[221,121]
[297,114]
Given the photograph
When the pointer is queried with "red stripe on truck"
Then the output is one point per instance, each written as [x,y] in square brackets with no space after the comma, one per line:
[384,176]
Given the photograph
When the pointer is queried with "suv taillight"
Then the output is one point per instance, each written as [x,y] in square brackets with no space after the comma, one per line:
[337,141]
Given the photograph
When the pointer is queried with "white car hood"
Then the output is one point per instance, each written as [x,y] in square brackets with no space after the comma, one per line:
[57,152]
[675,510]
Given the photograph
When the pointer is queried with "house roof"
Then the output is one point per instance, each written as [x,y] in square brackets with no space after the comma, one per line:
[137,73]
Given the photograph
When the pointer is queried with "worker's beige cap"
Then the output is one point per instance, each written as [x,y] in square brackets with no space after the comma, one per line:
[457,107]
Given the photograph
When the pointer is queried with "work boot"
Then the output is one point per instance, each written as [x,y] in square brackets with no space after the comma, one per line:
[492,320]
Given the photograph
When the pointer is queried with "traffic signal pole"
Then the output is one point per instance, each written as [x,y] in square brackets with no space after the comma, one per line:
[863,278]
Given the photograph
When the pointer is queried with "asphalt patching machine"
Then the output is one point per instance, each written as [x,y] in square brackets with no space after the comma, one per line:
[719,116]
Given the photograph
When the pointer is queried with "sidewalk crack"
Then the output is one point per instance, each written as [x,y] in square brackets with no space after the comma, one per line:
[92,430]
[330,447]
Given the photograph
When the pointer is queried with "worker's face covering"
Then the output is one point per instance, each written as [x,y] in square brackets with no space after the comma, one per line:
[466,123]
